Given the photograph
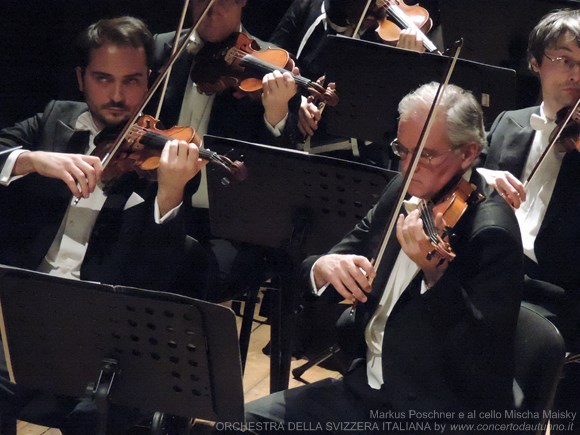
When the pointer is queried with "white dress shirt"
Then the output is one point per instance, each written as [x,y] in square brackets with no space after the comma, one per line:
[540,188]
[401,276]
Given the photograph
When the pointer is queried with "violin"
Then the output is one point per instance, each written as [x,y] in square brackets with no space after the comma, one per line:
[403,16]
[417,153]
[567,132]
[565,135]
[117,151]
[141,149]
[238,62]
[452,204]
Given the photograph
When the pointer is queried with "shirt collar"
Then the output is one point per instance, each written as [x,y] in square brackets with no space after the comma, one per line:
[540,122]
[86,122]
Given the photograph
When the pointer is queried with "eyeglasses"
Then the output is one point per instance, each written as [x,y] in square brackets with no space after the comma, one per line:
[428,158]
[563,63]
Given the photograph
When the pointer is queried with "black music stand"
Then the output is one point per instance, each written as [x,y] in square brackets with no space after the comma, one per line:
[379,76]
[299,203]
[153,351]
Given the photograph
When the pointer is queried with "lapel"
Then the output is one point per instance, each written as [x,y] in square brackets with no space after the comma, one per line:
[518,139]
[75,141]
[172,102]
[412,290]
[565,190]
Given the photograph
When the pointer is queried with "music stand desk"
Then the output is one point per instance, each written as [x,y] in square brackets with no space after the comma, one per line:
[296,202]
[172,353]
[376,77]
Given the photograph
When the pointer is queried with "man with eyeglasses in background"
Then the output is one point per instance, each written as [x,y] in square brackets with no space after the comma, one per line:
[548,208]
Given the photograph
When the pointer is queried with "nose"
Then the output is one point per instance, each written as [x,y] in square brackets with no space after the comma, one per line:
[117,92]
[575,72]
[406,163]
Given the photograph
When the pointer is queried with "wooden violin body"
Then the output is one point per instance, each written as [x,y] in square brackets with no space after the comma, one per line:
[568,128]
[452,206]
[402,16]
[140,151]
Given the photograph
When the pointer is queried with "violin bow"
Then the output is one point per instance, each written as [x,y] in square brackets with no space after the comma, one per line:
[175,44]
[553,141]
[431,116]
[355,34]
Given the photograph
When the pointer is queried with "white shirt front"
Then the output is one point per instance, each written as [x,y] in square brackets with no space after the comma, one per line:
[66,254]
[540,188]
[401,276]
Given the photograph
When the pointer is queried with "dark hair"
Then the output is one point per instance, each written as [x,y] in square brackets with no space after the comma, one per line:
[120,31]
[550,28]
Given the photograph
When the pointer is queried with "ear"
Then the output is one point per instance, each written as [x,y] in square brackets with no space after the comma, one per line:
[79,74]
[534,66]
[469,154]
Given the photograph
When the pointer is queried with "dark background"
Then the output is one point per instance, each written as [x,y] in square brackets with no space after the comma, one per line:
[38,55]
[38,43]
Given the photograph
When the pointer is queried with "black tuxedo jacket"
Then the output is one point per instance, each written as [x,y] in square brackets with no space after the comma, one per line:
[126,247]
[557,245]
[452,347]
[555,283]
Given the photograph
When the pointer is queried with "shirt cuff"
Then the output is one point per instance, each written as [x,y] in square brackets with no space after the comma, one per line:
[278,128]
[5,174]
[319,291]
[167,216]
[424,287]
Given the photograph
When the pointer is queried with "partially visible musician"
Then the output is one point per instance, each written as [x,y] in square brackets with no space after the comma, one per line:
[227,113]
[548,209]
[303,31]
[427,335]
[134,235]
[269,119]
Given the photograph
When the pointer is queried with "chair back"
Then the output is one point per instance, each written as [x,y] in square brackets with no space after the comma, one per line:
[539,356]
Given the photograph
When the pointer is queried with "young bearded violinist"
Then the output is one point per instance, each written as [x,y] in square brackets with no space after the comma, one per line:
[134,235]
[548,207]
[428,335]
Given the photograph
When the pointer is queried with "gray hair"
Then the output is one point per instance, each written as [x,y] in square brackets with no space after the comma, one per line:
[463,113]
[548,31]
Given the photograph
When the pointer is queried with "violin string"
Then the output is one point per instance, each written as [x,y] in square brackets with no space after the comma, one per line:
[428,222]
